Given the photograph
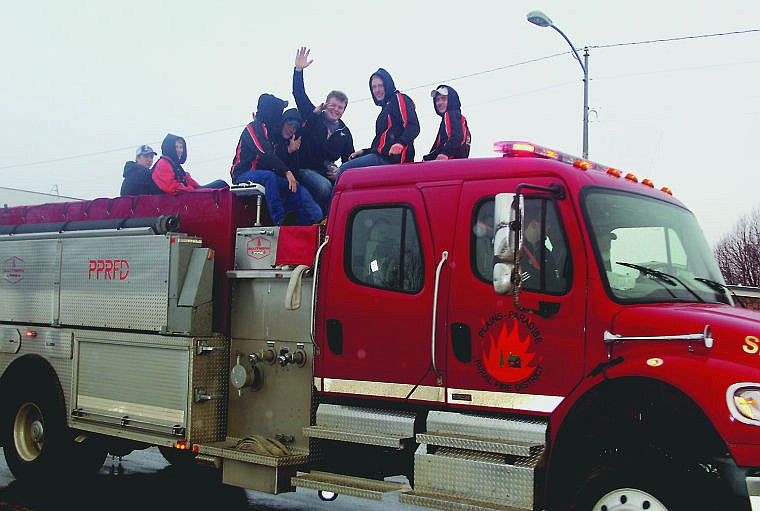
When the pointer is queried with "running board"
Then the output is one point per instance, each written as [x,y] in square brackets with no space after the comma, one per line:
[437,502]
[371,489]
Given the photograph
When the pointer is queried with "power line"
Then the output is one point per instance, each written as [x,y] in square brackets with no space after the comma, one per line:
[416,87]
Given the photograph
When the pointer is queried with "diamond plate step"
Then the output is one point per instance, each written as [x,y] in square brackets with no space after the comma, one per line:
[355,437]
[371,489]
[514,447]
[437,502]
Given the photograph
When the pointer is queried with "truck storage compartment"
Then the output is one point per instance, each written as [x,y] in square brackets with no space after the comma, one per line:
[147,282]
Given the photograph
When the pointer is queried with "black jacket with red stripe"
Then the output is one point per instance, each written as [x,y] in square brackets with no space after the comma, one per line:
[397,122]
[453,139]
[256,148]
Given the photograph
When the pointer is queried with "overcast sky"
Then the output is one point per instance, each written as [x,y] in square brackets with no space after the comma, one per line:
[85,82]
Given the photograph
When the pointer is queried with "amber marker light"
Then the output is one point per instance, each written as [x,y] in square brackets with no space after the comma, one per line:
[582,164]
[30,333]
[632,178]
[647,182]
[666,190]
[614,172]
[553,154]
[181,445]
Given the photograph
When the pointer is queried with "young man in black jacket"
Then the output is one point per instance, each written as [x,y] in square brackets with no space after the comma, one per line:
[396,126]
[326,138]
[137,174]
[453,139]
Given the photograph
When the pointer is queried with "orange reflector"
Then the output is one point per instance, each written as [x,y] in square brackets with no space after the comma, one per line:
[181,445]
[30,333]
[666,190]
[210,254]
[582,164]
[172,240]
[195,448]
[614,172]
[632,177]
[647,182]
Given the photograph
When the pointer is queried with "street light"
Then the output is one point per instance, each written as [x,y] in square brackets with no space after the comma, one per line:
[540,19]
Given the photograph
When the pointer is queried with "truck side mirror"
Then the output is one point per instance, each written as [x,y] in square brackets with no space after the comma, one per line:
[507,221]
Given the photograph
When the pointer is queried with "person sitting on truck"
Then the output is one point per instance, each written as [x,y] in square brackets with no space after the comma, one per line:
[168,173]
[326,138]
[288,145]
[137,174]
[396,126]
[256,161]
[453,140]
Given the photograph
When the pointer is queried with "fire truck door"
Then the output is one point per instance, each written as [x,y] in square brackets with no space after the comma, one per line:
[501,355]
[374,318]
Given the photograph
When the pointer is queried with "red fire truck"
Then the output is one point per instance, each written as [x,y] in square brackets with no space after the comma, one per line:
[534,331]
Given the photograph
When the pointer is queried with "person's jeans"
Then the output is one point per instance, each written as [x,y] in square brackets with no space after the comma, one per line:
[280,200]
[319,186]
[219,183]
[367,160]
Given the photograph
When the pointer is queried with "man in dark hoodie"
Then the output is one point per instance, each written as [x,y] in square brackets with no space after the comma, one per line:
[168,173]
[256,160]
[326,138]
[453,140]
[395,128]
[137,174]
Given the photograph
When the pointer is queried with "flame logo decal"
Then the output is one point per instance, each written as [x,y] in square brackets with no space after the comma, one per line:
[507,357]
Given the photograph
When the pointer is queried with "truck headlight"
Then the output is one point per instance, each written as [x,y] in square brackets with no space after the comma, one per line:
[743,401]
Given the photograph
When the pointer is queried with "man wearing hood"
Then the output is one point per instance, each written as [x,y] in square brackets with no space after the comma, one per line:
[326,138]
[395,128]
[168,173]
[256,160]
[137,174]
[453,140]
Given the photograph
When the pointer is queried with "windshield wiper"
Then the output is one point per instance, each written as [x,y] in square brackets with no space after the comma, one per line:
[664,277]
[722,288]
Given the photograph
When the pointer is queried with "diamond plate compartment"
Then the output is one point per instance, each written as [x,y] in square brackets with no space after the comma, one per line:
[365,420]
[456,475]
[521,431]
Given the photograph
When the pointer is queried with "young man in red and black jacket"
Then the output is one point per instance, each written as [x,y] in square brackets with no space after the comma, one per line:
[453,139]
[256,160]
[395,128]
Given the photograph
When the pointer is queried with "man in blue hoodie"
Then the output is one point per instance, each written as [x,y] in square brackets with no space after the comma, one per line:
[396,126]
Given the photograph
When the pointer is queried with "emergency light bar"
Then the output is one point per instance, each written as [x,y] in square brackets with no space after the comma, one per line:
[527,149]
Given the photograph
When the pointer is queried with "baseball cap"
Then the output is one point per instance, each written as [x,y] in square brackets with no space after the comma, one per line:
[442,90]
[145,149]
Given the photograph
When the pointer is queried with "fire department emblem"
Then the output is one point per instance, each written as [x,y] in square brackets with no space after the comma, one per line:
[259,248]
[509,358]
[13,270]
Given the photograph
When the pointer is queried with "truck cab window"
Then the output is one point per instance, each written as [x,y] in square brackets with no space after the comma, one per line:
[383,249]
[545,260]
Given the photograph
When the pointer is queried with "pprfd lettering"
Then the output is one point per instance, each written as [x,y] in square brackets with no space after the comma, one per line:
[108,269]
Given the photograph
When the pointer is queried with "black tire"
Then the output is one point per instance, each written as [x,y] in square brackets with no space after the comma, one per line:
[178,458]
[88,455]
[620,484]
[35,436]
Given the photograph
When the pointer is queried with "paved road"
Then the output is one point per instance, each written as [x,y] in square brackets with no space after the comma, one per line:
[148,483]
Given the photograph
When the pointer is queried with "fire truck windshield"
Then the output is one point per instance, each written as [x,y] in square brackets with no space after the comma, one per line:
[648,250]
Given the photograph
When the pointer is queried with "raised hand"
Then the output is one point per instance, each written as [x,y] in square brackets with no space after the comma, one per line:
[302,58]
[294,144]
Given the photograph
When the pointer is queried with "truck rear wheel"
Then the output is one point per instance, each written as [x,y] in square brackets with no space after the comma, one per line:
[35,432]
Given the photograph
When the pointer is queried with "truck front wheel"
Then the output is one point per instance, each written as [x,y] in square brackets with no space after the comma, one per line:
[34,433]
[620,486]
